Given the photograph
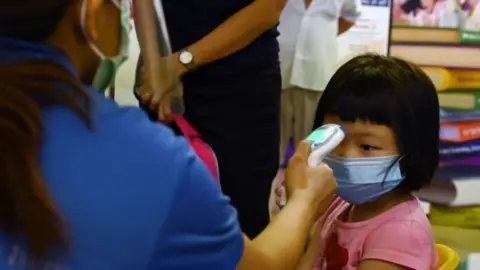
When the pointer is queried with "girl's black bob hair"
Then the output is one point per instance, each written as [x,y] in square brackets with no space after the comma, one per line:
[392,92]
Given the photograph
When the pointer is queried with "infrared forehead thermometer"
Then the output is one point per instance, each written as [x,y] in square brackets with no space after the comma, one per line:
[323,140]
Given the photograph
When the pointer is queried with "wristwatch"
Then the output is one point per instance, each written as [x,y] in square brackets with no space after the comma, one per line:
[186,58]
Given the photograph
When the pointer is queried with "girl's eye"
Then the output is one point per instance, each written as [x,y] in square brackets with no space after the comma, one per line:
[367,147]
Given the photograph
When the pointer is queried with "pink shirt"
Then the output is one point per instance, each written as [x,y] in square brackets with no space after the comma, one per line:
[401,235]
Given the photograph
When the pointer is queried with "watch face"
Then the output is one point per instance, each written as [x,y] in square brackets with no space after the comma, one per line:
[186,58]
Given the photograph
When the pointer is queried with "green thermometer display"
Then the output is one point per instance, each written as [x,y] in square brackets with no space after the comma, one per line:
[324,139]
[320,135]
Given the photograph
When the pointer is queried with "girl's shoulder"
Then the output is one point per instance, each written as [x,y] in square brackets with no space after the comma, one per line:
[406,214]
[407,211]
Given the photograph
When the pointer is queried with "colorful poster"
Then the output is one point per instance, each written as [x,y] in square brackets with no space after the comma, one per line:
[370,33]
[437,21]
[426,13]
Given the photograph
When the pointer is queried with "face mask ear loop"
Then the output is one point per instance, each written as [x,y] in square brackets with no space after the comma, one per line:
[83,15]
[397,160]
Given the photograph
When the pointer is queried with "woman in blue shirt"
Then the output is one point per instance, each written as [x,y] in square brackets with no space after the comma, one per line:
[86,184]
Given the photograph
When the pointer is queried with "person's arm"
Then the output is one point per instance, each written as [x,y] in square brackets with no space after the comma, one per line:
[147,35]
[282,244]
[311,255]
[344,25]
[201,230]
[350,12]
[238,31]
[156,81]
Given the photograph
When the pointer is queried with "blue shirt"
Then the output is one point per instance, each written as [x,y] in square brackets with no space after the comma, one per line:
[135,196]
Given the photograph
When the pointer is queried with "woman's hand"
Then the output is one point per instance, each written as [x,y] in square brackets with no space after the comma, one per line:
[160,85]
[282,244]
[317,184]
[276,193]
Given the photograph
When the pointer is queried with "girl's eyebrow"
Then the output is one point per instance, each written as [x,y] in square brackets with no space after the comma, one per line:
[367,133]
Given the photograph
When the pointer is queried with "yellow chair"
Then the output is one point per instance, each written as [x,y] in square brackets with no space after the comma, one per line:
[448,259]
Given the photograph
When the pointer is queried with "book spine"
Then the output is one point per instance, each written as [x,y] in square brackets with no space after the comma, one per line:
[452,150]
[445,104]
[461,217]
[445,79]
[469,132]
[477,100]
[458,56]
[464,79]
[441,78]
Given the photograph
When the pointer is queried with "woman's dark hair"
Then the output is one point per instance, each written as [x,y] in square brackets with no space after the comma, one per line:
[392,92]
[26,90]
[412,6]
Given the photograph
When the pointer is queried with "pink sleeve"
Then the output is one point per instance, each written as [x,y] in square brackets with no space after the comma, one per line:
[325,224]
[405,243]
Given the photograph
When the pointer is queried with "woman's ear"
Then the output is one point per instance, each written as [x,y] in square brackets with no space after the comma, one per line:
[88,11]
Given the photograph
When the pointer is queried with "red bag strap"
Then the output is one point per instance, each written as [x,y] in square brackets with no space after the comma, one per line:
[185,127]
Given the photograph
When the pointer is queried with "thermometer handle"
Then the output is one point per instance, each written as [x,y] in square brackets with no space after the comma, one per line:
[324,140]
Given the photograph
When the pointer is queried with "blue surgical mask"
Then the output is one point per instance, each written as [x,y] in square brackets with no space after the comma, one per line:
[361,180]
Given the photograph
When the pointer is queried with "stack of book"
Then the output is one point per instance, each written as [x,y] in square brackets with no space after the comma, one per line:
[445,41]
[457,182]
[454,194]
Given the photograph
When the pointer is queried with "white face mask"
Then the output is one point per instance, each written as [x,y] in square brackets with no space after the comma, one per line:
[108,67]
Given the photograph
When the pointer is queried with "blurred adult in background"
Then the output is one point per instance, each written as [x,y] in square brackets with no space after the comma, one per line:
[308,56]
[227,55]
[86,184]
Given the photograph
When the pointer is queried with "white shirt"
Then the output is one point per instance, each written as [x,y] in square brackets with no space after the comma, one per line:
[308,40]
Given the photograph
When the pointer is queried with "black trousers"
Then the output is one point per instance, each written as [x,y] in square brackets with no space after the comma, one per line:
[240,119]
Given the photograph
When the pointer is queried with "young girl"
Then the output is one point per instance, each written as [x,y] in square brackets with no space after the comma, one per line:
[390,110]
